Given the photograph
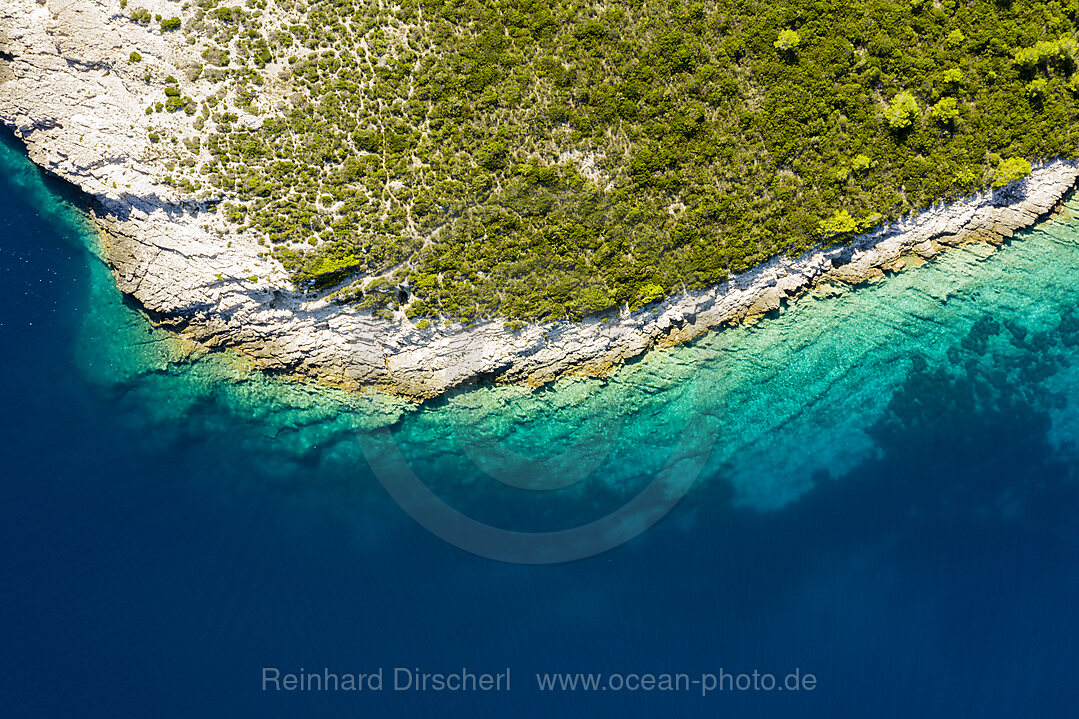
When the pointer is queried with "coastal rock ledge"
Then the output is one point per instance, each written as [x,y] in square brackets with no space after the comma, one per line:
[70,93]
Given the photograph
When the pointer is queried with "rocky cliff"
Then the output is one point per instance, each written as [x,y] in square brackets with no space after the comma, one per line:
[71,90]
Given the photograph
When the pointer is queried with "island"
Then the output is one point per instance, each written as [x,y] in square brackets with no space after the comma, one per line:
[422,195]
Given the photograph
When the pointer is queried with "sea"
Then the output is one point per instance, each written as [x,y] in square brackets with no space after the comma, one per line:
[864,505]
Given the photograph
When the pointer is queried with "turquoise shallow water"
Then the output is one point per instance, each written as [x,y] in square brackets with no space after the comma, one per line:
[789,404]
[879,487]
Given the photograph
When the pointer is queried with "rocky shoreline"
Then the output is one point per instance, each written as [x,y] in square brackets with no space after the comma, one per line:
[68,93]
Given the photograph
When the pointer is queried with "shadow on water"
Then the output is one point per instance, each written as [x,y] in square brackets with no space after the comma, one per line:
[942,568]
[963,449]
[966,440]
[969,440]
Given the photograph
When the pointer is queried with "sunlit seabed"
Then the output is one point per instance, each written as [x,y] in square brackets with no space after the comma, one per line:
[799,399]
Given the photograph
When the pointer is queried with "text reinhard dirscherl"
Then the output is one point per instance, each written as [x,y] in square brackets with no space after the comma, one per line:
[399,679]
[406,679]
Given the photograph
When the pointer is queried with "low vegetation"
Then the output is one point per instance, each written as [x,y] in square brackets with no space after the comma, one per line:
[534,160]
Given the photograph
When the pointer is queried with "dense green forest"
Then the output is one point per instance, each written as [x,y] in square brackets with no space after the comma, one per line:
[537,160]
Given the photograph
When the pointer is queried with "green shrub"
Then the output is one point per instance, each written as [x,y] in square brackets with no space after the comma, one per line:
[956,38]
[493,155]
[945,112]
[1046,52]
[648,294]
[788,40]
[861,163]
[1036,88]
[902,111]
[216,56]
[1010,170]
[839,223]
[953,79]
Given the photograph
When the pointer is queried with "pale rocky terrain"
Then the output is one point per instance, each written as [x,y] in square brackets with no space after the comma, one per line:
[70,93]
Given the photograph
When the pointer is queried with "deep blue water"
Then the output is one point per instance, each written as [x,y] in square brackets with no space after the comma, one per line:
[889,503]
